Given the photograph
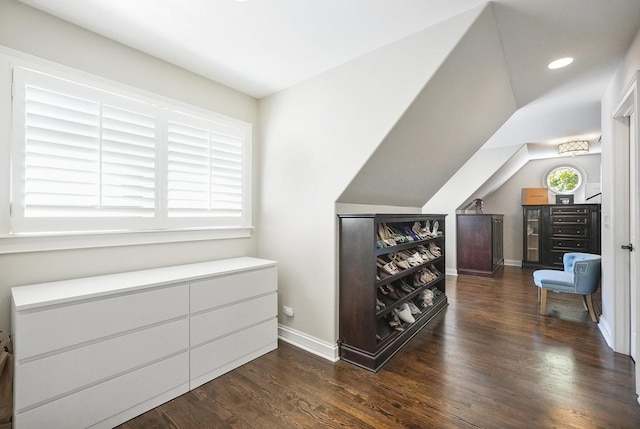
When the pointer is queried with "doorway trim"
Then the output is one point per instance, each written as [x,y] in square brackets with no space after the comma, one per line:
[625,110]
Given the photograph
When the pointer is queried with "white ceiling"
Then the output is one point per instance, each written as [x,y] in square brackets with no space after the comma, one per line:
[263,46]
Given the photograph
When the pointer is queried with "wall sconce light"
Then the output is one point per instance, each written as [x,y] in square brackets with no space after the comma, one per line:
[574,148]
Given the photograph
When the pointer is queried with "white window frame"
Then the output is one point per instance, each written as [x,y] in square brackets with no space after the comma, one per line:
[581,178]
[174,231]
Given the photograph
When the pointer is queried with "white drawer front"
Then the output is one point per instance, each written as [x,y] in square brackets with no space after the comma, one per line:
[222,321]
[222,290]
[208,357]
[93,405]
[44,331]
[46,378]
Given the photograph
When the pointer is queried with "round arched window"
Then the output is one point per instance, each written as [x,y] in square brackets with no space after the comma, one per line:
[564,180]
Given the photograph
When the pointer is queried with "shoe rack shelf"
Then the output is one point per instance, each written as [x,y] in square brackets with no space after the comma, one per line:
[392,282]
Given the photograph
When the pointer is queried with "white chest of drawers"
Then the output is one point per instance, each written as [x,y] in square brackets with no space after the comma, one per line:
[95,352]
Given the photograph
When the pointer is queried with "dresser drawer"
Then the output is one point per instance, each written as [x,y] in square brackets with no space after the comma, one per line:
[68,325]
[223,290]
[569,244]
[569,210]
[77,368]
[570,230]
[568,219]
[218,357]
[217,323]
[557,258]
[98,403]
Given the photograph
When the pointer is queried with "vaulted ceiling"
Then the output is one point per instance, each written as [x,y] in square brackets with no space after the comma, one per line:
[262,46]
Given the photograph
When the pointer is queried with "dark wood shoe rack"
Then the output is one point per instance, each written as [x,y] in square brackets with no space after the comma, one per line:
[366,338]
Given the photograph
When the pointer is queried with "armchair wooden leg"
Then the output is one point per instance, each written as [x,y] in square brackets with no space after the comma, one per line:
[592,312]
[543,301]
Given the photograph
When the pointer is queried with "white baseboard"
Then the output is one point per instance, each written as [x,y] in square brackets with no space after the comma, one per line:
[605,330]
[513,262]
[311,344]
[451,272]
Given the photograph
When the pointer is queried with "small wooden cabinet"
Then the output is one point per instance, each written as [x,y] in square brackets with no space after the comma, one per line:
[480,244]
[551,230]
[367,338]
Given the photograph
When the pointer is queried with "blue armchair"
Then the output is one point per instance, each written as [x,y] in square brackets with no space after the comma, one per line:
[581,276]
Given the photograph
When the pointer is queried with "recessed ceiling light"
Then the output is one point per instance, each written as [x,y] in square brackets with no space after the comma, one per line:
[562,62]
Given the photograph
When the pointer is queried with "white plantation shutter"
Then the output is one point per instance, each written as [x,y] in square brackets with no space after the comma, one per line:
[205,168]
[90,158]
[62,154]
[128,162]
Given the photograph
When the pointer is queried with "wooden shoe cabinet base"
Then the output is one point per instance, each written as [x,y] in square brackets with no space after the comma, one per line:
[367,339]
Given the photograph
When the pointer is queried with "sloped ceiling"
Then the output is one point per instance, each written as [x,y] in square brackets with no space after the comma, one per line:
[458,110]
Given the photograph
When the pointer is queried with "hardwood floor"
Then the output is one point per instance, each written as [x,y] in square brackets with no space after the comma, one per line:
[487,361]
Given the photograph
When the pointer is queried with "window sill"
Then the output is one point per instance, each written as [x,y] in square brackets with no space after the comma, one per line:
[39,243]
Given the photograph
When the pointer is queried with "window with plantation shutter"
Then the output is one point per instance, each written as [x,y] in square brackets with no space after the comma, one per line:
[89,158]
[205,166]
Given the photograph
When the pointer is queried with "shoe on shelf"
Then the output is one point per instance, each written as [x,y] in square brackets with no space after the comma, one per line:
[394,321]
[399,260]
[414,308]
[404,313]
[406,287]
[387,267]
[426,298]
[383,235]
[434,229]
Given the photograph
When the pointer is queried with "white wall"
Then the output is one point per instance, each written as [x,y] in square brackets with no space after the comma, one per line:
[507,199]
[614,322]
[28,30]
[479,176]
[315,137]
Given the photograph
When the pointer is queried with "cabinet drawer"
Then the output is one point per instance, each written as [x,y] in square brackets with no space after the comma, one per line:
[222,290]
[569,210]
[569,244]
[560,220]
[43,331]
[93,405]
[214,359]
[570,230]
[218,323]
[59,374]
[557,258]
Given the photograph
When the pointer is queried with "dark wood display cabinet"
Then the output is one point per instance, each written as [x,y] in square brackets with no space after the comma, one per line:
[480,247]
[551,230]
[381,309]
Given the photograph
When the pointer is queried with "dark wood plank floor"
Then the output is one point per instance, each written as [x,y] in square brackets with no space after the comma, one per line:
[487,361]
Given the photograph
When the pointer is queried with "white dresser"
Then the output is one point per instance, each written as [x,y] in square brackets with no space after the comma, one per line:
[98,351]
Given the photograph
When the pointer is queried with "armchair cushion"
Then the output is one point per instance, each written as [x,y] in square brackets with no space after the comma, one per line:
[560,281]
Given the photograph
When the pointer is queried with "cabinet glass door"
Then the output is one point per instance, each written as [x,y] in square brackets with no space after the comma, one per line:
[532,235]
